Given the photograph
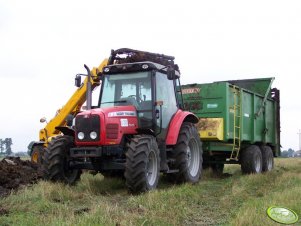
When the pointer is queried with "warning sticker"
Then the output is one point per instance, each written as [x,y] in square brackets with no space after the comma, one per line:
[124,122]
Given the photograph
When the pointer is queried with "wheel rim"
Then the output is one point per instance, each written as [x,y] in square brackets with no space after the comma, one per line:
[257,163]
[34,157]
[193,157]
[152,168]
[270,163]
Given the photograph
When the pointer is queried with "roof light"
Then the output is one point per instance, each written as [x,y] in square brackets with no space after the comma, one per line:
[144,66]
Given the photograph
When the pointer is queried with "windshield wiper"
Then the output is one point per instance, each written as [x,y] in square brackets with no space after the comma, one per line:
[117,101]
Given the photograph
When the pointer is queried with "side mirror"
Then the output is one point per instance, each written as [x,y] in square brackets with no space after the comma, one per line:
[42,120]
[78,81]
[171,74]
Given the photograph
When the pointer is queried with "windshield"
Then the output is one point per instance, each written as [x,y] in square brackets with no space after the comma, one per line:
[127,89]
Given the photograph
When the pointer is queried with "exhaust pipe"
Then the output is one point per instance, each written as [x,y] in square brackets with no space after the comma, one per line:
[89,89]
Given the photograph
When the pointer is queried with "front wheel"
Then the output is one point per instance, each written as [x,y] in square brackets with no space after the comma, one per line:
[188,154]
[56,161]
[36,154]
[142,166]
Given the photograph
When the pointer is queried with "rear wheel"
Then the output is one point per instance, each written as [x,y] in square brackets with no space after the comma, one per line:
[142,164]
[56,161]
[251,160]
[267,158]
[188,154]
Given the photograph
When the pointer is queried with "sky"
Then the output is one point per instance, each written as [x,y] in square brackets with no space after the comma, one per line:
[44,44]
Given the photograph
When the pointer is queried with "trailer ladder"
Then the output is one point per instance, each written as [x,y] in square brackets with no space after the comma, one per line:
[236,123]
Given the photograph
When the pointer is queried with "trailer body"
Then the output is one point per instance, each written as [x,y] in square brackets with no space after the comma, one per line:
[234,115]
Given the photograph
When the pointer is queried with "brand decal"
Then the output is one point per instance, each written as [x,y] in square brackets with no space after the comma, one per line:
[191,90]
[282,215]
[122,113]
[212,105]
[247,115]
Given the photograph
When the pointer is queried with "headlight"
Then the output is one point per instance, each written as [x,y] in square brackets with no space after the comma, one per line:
[80,135]
[93,135]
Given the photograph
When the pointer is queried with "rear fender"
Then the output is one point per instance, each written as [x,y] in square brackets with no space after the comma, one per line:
[176,123]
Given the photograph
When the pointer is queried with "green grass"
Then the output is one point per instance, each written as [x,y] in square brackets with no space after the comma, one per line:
[236,200]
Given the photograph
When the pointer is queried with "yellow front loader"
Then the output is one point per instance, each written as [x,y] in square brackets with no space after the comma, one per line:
[65,114]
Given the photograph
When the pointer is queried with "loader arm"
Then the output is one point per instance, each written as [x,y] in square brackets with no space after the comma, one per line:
[72,106]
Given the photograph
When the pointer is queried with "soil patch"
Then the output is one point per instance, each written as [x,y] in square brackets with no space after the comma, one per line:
[15,173]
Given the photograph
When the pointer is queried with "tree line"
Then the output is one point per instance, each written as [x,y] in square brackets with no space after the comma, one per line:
[5,146]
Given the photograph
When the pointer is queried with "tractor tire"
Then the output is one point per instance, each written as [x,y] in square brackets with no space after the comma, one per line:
[36,154]
[142,168]
[267,158]
[251,160]
[56,161]
[188,155]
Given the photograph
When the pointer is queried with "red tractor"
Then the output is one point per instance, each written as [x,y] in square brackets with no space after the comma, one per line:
[137,130]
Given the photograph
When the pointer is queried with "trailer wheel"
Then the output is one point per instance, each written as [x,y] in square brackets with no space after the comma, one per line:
[188,154]
[251,160]
[142,166]
[36,154]
[56,161]
[267,158]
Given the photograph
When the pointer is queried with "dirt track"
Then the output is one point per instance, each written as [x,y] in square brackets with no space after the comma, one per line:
[15,173]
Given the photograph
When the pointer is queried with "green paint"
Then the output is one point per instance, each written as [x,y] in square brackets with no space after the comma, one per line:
[216,100]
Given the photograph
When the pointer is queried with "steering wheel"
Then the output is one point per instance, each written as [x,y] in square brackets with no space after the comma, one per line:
[133,96]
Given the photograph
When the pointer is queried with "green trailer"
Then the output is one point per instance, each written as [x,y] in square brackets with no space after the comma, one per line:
[239,122]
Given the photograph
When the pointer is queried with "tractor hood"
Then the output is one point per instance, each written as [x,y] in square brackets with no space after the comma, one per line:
[105,126]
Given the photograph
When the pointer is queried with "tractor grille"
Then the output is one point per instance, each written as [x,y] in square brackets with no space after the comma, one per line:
[112,131]
[87,124]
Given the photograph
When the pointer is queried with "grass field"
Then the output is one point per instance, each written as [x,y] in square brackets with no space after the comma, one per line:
[230,200]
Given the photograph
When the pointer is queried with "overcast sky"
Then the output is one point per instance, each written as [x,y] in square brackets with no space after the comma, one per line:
[43,44]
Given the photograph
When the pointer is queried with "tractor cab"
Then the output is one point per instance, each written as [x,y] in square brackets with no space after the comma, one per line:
[149,87]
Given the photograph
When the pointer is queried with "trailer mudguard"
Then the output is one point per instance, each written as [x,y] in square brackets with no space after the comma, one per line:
[176,123]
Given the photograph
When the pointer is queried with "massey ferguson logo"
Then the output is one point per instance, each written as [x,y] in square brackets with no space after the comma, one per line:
[191,90]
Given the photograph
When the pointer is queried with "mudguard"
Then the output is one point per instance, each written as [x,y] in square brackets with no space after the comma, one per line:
[176,123]
[32,144]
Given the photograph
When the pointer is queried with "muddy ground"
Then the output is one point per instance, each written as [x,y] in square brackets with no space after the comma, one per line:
[16,173]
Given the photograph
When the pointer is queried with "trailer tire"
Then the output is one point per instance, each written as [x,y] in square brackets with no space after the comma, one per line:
[188,154]
[251,160]
[142,168]
[56,161]
[267,158]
